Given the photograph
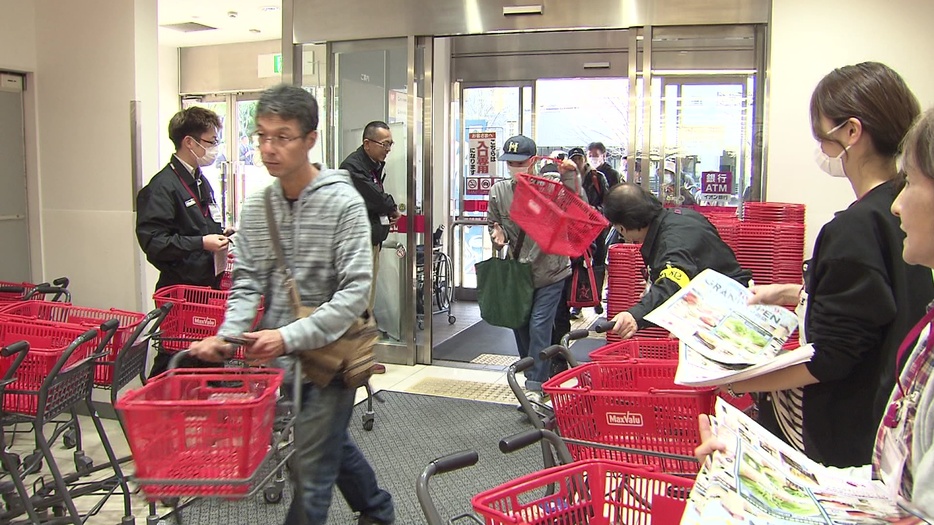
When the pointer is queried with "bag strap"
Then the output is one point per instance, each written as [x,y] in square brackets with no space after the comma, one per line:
[277,249]
[518,251]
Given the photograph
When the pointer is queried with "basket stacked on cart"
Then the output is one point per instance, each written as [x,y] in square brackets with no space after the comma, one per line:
[555,216]
[666,349]
[633,404]
[592,491]
[81,318]
[201,431]
[47,344]
[197,312]
[625,285]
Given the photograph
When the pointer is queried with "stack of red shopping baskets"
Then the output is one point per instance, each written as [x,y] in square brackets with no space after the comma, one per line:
[48,342]
[67,315]
[773,251]
[633,404]
[197,312]
[555,216]
[625,285]
[592,492]
[199,432]
[773,212]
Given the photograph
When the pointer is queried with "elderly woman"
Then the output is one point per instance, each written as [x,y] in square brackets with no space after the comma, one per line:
[904,446]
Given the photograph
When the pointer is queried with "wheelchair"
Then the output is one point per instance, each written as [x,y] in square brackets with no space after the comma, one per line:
[443,271]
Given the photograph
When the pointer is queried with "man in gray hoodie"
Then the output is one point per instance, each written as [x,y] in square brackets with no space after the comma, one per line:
[324,233]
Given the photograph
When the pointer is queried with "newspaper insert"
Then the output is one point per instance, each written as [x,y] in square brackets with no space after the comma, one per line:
[723,338]
[761,480]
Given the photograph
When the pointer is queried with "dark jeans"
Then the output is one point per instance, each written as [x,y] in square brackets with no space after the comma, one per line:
[535,336]
[326,455]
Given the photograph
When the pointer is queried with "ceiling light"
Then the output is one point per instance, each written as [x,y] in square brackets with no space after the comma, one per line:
[269,8]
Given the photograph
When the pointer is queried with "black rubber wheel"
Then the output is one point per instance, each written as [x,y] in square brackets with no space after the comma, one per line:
[369,419]
[272,495]
[70,438]
[452,319]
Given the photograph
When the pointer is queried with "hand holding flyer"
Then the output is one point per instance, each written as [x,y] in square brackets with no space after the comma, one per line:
[760,479]
[723,338]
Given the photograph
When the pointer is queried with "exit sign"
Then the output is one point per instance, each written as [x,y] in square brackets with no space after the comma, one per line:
[269,65]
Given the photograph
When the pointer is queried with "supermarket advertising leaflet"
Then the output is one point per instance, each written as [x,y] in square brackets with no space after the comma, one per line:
[722,335]
[759,479]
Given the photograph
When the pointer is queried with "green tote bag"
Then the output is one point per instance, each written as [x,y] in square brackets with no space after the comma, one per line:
[505,290]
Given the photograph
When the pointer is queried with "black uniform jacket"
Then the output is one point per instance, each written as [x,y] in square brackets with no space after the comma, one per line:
[367,176]
[680,244]
[173,214]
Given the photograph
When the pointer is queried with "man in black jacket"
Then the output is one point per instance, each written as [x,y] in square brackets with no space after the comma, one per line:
[677,244]
[596,156]
[366,165]
[178,221]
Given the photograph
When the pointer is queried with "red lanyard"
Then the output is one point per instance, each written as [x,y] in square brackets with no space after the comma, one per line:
[913,335]
[204,211]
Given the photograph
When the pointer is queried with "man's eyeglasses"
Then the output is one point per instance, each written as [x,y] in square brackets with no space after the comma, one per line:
[276,140]
[385,144]
[208,142]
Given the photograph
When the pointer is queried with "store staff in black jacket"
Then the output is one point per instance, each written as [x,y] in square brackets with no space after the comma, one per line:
[178,222]
[366,166]
[677,244]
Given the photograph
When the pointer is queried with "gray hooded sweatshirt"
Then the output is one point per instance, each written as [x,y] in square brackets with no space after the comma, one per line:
[325,237]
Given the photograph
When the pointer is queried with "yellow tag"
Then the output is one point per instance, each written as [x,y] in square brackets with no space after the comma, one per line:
[674,274]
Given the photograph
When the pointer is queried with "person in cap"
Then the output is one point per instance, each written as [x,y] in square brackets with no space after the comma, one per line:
[548,271]
[596,157]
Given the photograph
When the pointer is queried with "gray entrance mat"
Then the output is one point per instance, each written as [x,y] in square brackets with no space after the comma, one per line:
[411,430]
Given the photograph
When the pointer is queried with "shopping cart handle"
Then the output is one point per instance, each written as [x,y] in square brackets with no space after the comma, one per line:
[523,364]
[12,289]
[455,461]
[15,348]
[604,326]
[61,282]
[574,335]
[177,359]
[551,351]
[521,440]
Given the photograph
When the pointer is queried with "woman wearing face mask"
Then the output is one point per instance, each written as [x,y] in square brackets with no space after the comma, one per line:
[860,298]
[903,455]
[548,271]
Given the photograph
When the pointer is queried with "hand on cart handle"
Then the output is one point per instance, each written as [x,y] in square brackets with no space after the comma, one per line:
[625,325]
[263,346]
[211,350]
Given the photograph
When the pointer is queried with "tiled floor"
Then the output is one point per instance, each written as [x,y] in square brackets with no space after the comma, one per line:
[480,381]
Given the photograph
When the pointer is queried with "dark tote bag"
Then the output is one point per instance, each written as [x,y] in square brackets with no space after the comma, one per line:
[505,290]
[583,285]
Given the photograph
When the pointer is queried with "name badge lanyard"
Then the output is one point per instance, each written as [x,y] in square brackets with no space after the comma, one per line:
[204,211]
[891,416]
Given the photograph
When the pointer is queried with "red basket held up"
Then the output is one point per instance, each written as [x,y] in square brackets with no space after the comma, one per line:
[555,216]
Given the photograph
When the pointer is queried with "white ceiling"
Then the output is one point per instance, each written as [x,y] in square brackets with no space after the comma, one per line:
[214,13]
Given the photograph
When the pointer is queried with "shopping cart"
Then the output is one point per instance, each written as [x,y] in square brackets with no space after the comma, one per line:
[15,292]
[596,492]
[209,432]
[52,376]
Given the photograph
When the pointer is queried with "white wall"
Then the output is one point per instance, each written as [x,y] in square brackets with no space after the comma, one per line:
[92,58]
[808,40]
[18,35]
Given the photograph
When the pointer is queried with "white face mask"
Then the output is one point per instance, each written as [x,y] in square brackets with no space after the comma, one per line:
[595,162]
[832,166]
[210,155]
[515,170]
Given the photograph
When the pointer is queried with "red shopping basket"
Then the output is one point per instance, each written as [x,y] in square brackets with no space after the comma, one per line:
[197,312]
[596,492]
[83,318]
[201,432]
[554,216]
[47,342]
[666,348]
[8,296]
[633,404]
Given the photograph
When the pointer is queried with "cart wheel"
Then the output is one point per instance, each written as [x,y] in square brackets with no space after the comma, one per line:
[452,319]
[272,494]
[369,419]
[33,463]
[70,438]
[83,463]
[15,460]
